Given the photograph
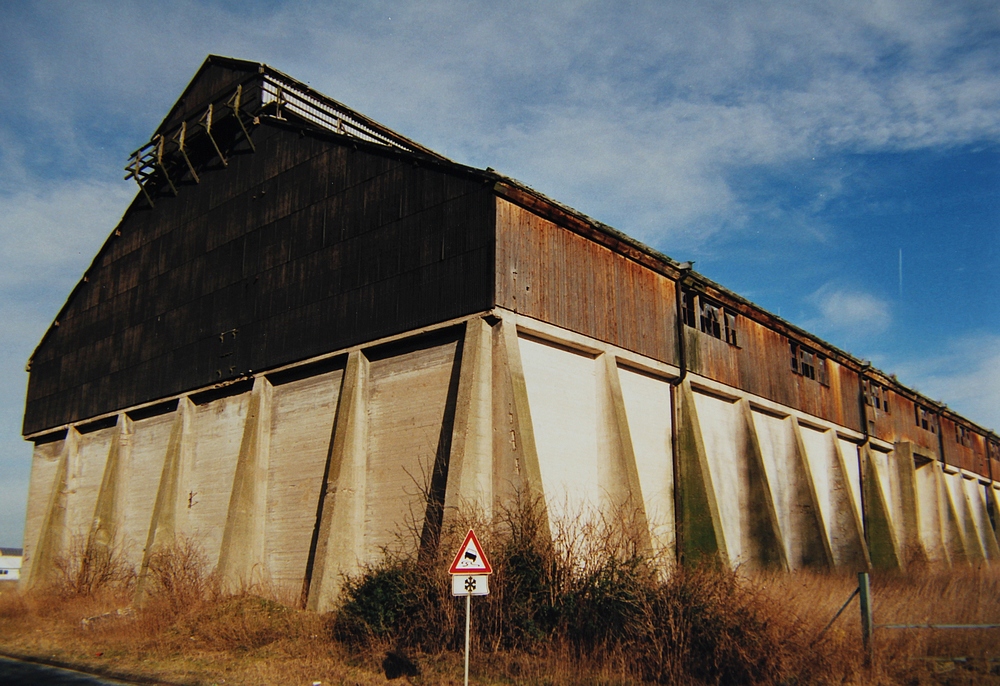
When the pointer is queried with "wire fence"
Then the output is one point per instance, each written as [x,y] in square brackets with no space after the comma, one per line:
[868,625]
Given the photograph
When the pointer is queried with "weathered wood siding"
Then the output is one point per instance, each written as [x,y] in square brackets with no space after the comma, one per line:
[550,273]
[306,246]
[761,364]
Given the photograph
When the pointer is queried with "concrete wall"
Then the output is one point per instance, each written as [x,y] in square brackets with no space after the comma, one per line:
[300,475]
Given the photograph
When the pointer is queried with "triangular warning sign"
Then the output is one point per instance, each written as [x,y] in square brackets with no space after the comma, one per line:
[471,559]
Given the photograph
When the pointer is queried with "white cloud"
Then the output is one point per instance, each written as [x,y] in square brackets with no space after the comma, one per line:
[966,374]
[50,232]
[849,313]
[635,115]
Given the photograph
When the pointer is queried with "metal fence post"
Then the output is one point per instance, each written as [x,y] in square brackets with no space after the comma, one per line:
[867,623]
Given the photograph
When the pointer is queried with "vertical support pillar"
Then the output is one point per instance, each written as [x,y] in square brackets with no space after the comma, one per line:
[952,530]
[340,539]
[701,535]
[991,547]
[52,535]
[470,462]
[618,474]
[855,510]
[517,473]
[816,526]
[103,529]
[882,541]
[911,547]
[973,541]
[241,558]
[163,523]
[992,540]
[769,547]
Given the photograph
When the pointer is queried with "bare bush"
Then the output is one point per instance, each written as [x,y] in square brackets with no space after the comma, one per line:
[87,569]
[593,590]
[177,576]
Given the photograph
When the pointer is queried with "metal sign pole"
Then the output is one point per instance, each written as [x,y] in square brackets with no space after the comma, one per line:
[468,608]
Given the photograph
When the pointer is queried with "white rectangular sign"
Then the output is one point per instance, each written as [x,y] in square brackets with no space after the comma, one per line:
[470,584]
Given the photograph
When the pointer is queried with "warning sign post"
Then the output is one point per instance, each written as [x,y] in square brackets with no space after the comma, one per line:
[470,558]
[470,572]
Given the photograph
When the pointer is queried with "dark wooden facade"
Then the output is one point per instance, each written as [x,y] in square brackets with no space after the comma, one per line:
[309,241]
[306,246]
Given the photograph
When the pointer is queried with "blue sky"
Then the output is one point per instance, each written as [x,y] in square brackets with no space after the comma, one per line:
[792,149]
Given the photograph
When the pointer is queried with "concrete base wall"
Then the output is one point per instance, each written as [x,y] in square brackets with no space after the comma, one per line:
[302,475]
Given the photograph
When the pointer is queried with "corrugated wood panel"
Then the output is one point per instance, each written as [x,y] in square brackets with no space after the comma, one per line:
[411,410]
[897,424]
[301,432]
[302,248]
[550,273]
[955,453]
[980,458]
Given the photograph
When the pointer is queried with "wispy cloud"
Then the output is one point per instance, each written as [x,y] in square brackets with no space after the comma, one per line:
[966,375]
[49,233]
[634,116]
[849,313]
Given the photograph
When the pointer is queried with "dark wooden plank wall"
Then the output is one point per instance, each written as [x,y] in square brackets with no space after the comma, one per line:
[216,76]
[301,248]
[550,273]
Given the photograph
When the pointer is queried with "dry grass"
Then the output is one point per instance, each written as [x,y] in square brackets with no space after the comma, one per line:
[590,609]
[964,595]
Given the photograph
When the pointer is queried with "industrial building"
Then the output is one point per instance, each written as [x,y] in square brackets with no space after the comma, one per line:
[308,333]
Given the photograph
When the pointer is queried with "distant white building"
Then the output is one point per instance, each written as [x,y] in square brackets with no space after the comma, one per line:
[10,564]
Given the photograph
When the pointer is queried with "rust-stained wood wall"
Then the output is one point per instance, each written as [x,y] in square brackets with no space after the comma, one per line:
[550,273]
[761,364]
[308,245]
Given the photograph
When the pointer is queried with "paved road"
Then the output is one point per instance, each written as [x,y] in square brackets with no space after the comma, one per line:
[15,673]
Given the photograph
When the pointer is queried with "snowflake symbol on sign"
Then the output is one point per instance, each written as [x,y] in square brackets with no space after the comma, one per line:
[470,584]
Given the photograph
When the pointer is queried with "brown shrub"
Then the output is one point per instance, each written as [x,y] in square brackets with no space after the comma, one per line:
[86,570]
[177,578]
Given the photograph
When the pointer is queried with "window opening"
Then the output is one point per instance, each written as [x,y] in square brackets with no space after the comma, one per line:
[731,329]
[709,317]
[877,396]
[924,418]
[688,308]
[809,364]
[963,436]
